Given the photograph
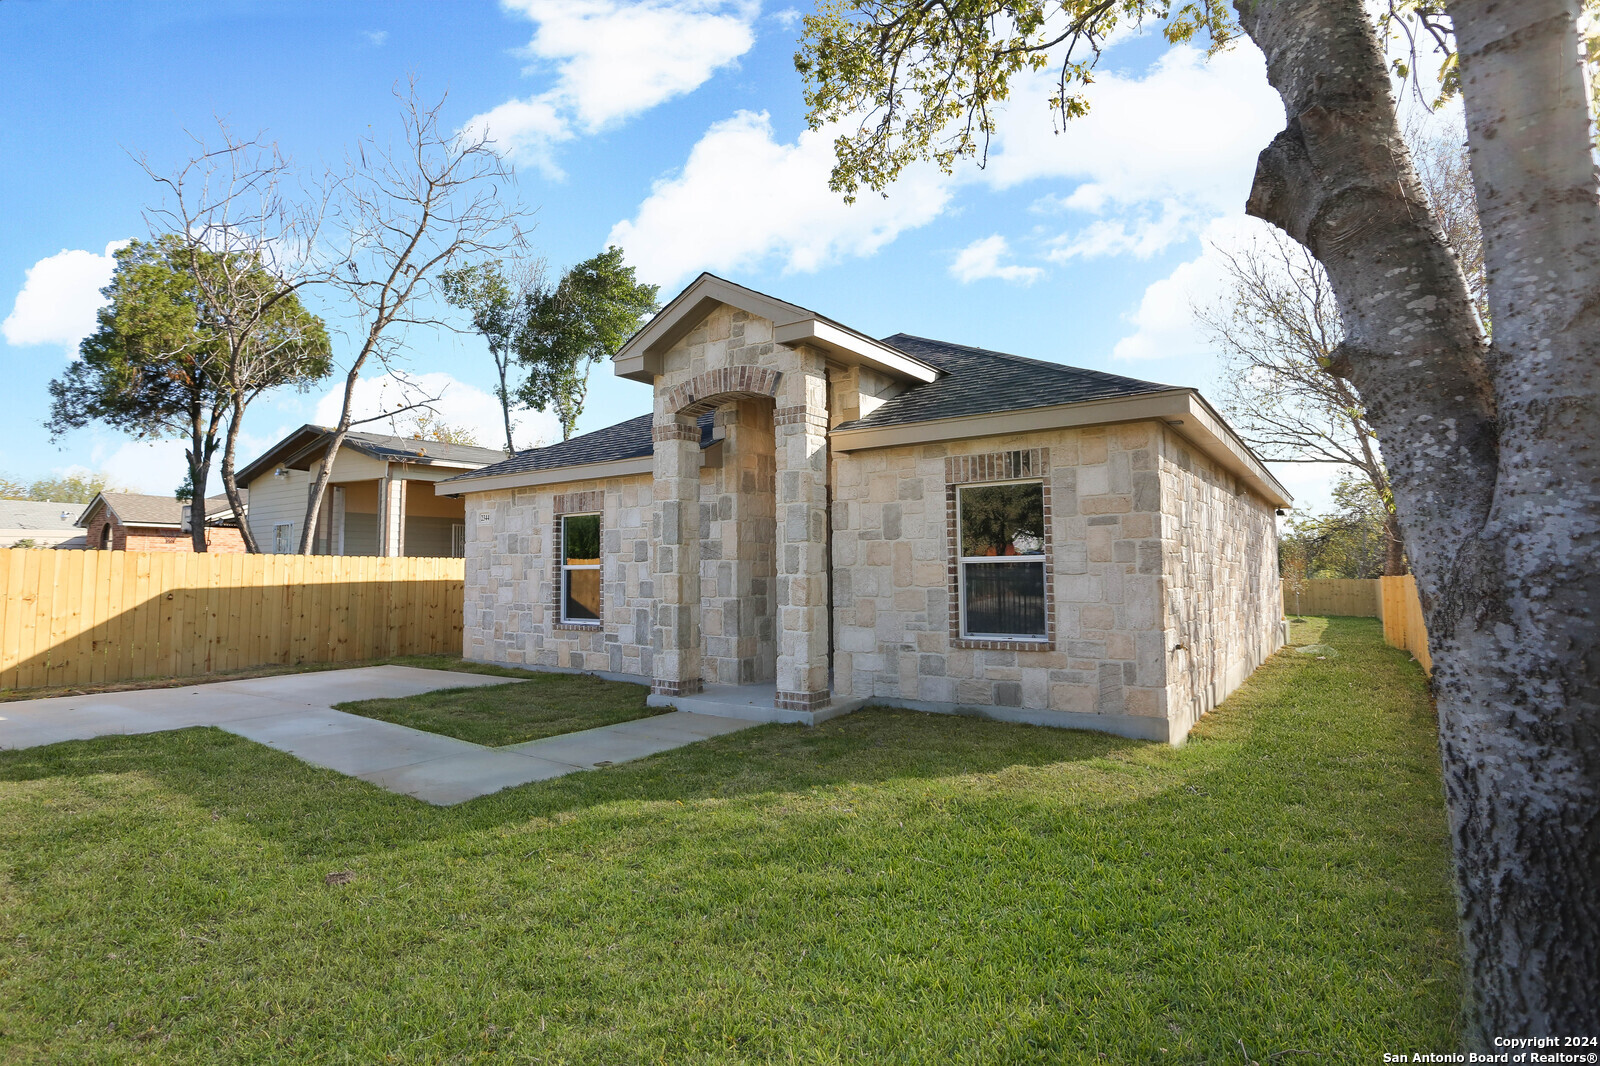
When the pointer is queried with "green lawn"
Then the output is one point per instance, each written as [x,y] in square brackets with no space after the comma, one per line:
[543,706]
[887,887]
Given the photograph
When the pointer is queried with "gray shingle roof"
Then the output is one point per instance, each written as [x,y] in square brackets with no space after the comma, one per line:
[625,440]
[976,381]
[404,449]
[972,381]
[31,514]
[136,509]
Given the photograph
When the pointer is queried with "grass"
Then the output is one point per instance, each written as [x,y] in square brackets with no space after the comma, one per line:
[887,887]
[427,662]
[544,706]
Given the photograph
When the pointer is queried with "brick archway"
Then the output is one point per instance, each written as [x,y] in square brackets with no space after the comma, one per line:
[714,388]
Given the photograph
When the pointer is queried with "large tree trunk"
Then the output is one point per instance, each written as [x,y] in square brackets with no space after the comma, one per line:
[199,456]
[1493,458]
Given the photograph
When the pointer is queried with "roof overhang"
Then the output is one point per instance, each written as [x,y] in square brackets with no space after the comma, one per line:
[1184,411]
[640,358]
[521,479]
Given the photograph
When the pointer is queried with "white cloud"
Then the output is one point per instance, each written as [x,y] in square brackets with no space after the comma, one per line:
[613,60]
[1164,323]
[1188,130]
[981,259]
[742,198]
[376,38]
[459,405]
[59,297]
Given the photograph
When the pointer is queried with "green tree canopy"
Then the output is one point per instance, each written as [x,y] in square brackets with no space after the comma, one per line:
[597,305]
[157,365]
[73,488]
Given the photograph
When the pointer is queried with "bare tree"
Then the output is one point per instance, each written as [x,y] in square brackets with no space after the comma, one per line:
[1278,329]
[248,234]
[412,212]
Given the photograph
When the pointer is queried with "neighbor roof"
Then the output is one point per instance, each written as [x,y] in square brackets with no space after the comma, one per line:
[306,445]
[32,514]
[136,509]
[976,381]
[625,440]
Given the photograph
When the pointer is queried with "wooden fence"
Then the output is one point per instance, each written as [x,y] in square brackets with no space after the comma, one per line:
[1403,626]
[1334,595]
[82,617]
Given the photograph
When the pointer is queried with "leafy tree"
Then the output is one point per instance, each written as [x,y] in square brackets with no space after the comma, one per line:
[595,308]
[1490,447]
[249,247]
[74,488]
[429,426]
[499,300]
[157,367]
[1351,540]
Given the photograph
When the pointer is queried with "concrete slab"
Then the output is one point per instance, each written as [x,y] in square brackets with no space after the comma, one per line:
[458,778]
[293,713]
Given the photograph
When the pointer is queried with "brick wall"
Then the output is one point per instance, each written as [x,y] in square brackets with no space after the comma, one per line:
[221,540]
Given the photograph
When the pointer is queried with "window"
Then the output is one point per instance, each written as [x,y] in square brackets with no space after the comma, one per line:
[580,568]
[458,541]
[282,538]
[1002,561]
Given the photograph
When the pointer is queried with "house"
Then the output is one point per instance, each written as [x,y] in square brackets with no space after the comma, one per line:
[811,519]
[40,525]
[128,521]
[378,500]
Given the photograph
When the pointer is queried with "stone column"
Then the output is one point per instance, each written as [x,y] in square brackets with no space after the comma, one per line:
[675,562]
[391,516]
[801,429]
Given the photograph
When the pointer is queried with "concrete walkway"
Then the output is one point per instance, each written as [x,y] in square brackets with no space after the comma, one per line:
[294,713]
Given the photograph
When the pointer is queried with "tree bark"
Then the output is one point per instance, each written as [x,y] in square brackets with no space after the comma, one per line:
[230,484]
[199,457]
[1394,548]
[1492,455]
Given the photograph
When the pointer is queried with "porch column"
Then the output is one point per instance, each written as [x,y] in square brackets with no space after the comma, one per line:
[675,562]
[391,516]
[800,426]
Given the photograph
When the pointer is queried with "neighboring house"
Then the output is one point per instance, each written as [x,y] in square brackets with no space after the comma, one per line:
[829,519]
[43,525]
[128,521]
[380,499]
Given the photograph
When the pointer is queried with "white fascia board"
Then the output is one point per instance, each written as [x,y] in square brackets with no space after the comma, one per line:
[522,479]
[1183,411]
[851,348]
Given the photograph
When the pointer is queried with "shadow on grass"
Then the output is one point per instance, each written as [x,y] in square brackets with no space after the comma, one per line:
[316,812]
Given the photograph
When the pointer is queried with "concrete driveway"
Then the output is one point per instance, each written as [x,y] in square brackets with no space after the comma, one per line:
[294,713]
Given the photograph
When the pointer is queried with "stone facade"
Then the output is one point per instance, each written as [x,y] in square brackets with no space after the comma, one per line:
[511,612]
[764,558]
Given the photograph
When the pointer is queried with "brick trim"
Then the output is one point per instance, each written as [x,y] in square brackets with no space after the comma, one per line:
[716,387]
[687,687]
[1019,465]
[674,431]
[801,701]
[565,503]
[800,415]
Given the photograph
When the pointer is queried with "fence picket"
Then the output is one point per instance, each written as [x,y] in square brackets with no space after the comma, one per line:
[82,617]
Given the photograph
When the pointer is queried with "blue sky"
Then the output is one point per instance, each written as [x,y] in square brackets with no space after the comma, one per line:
[674,128]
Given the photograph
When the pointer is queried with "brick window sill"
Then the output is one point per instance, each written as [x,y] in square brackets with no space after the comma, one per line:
[587,627]
[968,644]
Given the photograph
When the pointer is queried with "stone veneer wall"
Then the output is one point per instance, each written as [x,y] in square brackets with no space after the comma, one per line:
[892,593]
[1221,601]
[738,568]
[508,614]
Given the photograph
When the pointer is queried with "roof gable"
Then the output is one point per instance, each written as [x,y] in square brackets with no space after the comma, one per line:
[639,359]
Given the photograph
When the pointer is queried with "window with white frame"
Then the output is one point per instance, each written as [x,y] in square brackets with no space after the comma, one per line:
[1002,563]
[282,538]
[580,568]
